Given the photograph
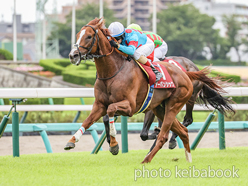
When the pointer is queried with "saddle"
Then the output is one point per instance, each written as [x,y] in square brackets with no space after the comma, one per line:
[164,82]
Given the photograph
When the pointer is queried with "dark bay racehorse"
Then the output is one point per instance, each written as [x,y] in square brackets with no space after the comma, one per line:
[120,88]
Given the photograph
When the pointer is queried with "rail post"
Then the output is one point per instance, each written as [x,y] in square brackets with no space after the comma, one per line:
[203,130]
[99,143]
[124,134]
[15,127]
[221,123]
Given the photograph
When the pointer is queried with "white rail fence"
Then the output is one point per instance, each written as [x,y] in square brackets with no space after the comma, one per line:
[83,93]
[14,93]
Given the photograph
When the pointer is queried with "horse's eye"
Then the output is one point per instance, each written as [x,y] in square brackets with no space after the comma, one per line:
[89,37]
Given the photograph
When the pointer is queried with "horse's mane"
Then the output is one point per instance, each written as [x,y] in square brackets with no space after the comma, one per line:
[102,27]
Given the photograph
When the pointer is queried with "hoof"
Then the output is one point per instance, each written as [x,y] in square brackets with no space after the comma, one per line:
[144,137]
[114,150]
[172,144]
[188,156]
[152,136]
[69,146]
[145,161]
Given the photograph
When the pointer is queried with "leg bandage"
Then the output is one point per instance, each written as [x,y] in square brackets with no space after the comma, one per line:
[112,131]
[79,133]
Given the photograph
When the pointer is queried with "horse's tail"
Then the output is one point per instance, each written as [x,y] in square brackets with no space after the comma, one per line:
[210,96]
[210,92]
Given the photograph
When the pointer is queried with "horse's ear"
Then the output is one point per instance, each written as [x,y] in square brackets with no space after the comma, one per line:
[101,22]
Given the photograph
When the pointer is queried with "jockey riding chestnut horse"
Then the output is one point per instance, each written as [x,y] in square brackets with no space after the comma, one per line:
[121,88]
[134,43]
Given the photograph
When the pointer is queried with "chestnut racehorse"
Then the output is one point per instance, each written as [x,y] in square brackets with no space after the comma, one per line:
[120,89]
[207,96]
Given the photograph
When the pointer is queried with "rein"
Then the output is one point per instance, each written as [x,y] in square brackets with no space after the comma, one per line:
[118,51]
[113,75]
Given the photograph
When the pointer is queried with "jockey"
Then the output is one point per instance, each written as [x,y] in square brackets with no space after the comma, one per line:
[161,46]
[135,43]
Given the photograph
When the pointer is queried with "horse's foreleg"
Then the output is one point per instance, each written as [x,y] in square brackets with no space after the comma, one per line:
[149,117]
[122,107]
[182,131]
[97,112]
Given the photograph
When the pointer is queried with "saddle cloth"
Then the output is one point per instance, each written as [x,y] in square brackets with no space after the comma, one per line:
[164,82]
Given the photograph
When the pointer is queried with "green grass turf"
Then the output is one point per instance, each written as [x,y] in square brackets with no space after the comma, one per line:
[105,169]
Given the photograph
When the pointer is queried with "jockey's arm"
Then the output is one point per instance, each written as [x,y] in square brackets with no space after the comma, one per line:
[127,49]
[132,45]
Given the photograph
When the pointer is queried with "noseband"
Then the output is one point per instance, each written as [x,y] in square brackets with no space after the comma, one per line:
[88,55]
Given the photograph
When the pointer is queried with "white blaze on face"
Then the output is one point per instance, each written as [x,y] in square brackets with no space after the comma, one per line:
[80,37]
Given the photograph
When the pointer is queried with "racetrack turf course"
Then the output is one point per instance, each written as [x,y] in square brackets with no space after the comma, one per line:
[169,167]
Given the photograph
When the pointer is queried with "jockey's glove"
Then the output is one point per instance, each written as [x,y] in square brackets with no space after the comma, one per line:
[114,44]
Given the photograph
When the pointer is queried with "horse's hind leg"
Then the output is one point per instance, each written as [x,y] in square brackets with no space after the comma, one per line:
[188,119]
[161,139]
[172,107]
[122,107]
[149,117]
[169,114]
[182,131]
[156,130]
[106,124]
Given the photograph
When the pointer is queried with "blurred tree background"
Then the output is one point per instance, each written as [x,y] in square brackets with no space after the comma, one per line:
[83,16]
[187,32]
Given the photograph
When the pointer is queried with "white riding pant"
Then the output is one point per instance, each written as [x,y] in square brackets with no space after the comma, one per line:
[144,50]
[160,52]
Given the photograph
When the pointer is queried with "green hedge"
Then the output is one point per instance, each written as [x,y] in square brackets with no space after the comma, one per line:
[55,65]
[85,73]
[5,55]
[219,62]
[224,76]
[83,77]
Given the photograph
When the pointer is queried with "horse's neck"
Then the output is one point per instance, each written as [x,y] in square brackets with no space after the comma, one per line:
[109,65]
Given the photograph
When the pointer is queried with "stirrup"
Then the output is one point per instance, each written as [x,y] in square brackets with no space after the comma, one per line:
[158,76]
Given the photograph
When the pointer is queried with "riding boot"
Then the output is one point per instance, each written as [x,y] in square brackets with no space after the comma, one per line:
[157,73]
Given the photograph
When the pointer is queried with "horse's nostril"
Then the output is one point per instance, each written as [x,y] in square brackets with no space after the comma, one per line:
[72,56]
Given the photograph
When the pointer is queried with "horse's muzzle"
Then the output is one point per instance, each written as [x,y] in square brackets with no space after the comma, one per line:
[74,57]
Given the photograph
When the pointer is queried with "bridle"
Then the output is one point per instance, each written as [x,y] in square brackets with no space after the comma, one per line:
[88,55]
